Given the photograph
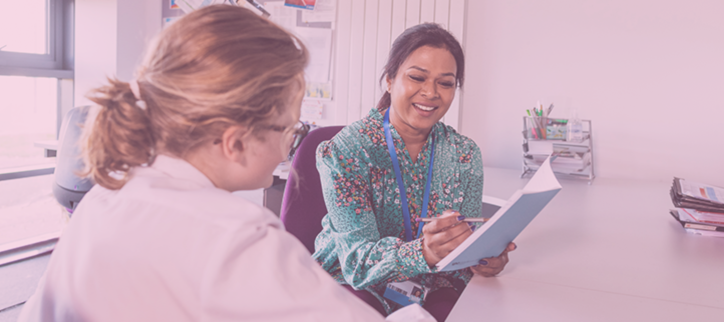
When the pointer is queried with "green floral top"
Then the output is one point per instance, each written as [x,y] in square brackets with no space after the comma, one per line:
[362,242]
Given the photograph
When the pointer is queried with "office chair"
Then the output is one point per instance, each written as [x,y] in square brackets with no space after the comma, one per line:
[303,204]
[68,187]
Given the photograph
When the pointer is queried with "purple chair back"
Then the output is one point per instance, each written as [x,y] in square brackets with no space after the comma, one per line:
[303,208]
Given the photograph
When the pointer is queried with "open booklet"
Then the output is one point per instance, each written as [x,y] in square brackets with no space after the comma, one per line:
[493,237]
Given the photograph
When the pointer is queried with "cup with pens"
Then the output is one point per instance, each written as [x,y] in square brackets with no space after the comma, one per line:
[537,122]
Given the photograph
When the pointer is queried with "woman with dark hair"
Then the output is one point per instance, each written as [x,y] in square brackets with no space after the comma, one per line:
[380,175]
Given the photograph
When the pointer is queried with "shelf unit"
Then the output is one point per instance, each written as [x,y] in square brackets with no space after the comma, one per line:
[569,159]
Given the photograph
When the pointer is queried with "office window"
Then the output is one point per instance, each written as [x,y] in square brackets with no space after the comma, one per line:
[28,117]
[36,74]
[36,38]
[25,29]
[35,59]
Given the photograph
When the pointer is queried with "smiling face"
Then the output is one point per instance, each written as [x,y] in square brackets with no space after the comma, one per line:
[422,90]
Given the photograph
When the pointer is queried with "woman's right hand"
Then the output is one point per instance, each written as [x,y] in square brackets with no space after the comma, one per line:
[443,235]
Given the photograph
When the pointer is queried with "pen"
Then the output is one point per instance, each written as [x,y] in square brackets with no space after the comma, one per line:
[528,111]
[465,220]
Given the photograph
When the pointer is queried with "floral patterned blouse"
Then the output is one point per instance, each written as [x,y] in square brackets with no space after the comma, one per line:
[362,242]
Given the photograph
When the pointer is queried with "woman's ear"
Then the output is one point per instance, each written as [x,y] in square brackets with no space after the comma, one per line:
[233,143]
[389,84]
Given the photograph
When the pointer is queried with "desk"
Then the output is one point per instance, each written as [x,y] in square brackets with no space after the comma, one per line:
[602,252]
[50,147]
[274,195]
[282,170]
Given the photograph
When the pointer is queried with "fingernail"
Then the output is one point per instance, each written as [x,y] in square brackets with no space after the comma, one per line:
[418,219]
[515,246]
[483,262]
[473,228]
[461,218]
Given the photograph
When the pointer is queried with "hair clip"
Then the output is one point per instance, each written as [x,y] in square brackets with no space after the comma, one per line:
[141,104]
[133,84]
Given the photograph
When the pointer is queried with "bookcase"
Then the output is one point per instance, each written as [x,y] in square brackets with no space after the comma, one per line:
[569,159]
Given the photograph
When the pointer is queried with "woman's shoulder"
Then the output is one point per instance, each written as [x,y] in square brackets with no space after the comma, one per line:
[460,143]
[367,131]
[358,138]
[173,197]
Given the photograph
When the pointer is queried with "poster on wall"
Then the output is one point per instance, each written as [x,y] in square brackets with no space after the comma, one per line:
[167,21]
[190,5]
[171,12]
[302,4]
[312,110]
[319,90]
[324,11]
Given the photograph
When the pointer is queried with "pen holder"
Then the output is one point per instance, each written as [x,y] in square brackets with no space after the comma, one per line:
[536,127]
[556,129]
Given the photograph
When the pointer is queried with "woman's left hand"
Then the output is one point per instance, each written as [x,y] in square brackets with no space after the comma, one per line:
[490,267]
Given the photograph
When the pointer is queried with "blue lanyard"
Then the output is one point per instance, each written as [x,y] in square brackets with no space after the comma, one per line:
[401,183]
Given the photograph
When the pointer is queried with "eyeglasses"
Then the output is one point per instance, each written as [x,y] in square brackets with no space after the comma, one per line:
[299,131]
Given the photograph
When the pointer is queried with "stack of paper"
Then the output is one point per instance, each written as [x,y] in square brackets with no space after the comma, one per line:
[576,162]
[700,207]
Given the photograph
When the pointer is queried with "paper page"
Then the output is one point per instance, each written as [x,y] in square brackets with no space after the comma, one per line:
[544,179]
[301,4]
[702,191]
[493,237]
[693,215]
[312,110]
[191,5]
[284,16]
[319,91]
[324,11]
[319,44]
[540,147]
[708,233]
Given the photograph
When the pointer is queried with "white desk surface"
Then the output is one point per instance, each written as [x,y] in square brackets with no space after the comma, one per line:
[282,170]
[47,144]
[608,251]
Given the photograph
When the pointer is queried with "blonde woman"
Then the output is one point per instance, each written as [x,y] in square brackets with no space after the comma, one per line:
[161,237]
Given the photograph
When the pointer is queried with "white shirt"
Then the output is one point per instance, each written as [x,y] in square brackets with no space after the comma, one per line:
[169,246]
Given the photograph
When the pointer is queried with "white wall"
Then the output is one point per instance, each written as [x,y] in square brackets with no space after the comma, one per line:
[110,38]
[648,73]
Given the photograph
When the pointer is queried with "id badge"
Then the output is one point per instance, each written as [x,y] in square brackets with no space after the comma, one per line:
[405,293]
